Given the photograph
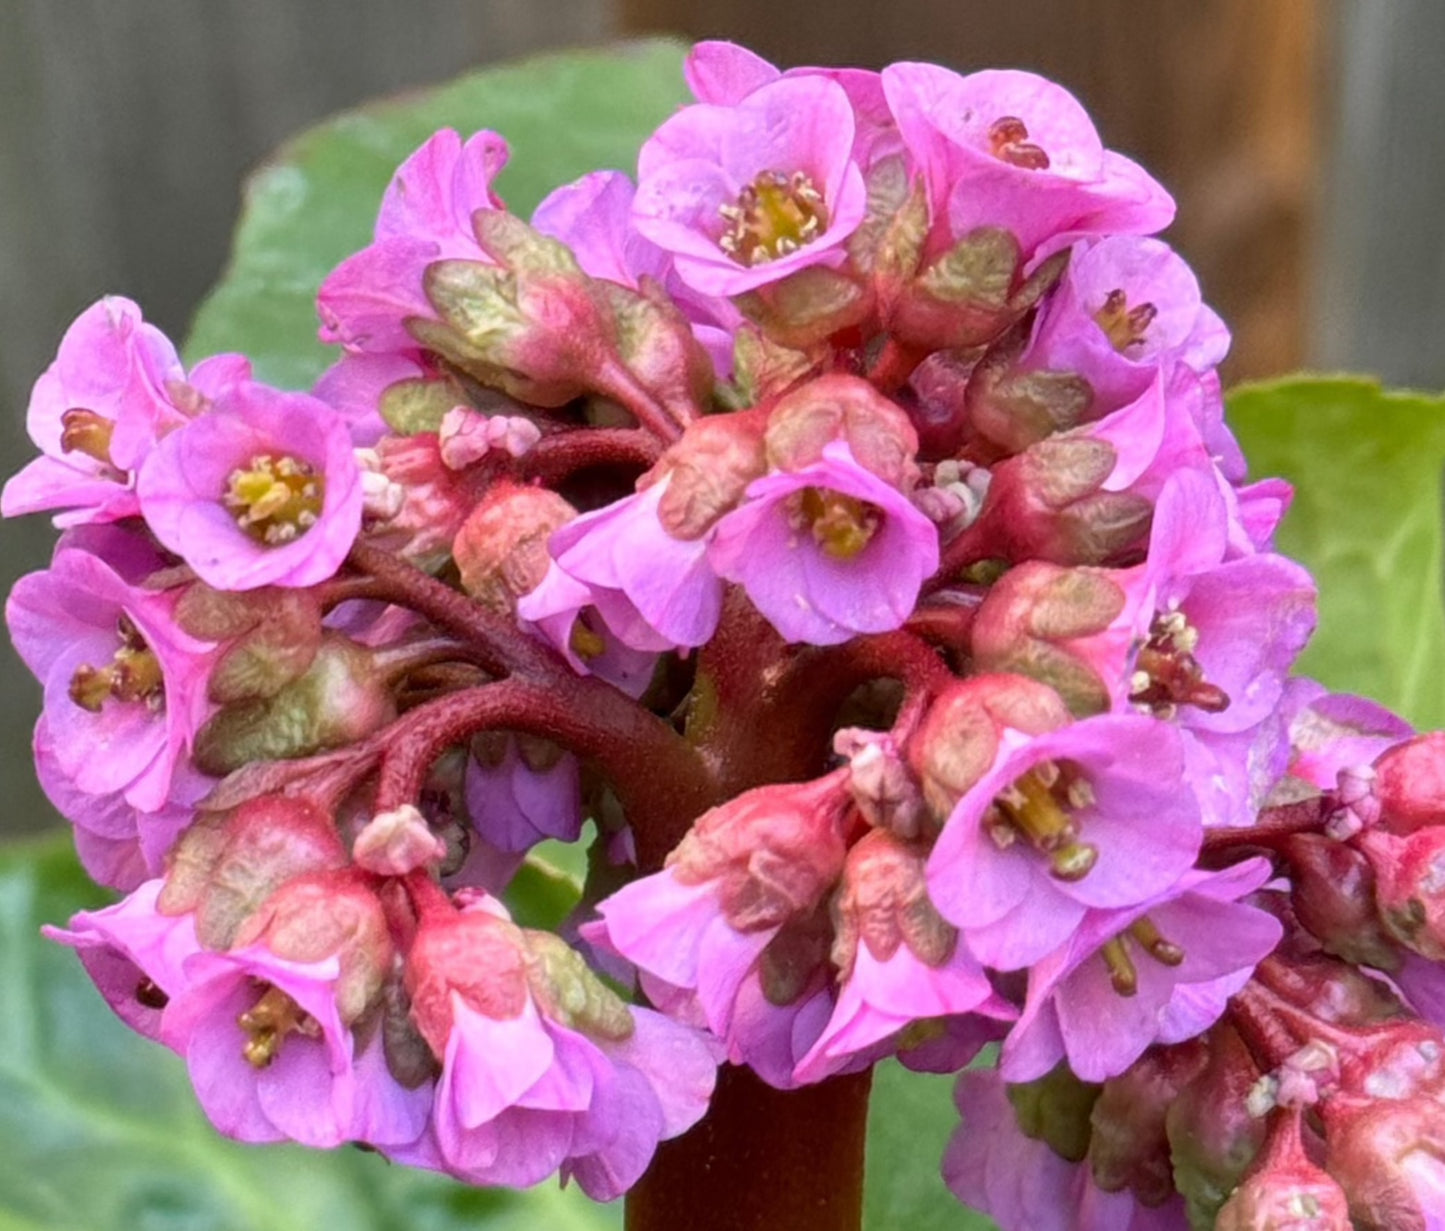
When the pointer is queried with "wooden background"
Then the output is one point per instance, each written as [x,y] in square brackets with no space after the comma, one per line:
[1301,138]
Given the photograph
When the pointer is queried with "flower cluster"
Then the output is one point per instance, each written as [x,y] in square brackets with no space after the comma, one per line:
[843,518]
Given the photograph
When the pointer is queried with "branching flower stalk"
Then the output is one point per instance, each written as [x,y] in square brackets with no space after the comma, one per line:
[842,518]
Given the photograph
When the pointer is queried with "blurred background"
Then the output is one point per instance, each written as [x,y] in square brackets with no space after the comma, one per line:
[1302,138]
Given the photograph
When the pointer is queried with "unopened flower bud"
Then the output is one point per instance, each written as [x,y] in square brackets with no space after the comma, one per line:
[884,904]
[1357,804]
[1333,894]
[273,635]
[707,472]
[466,437]
[1409,876]
[1410,784]
[1014,409]
[1057,626]
[808,307]
[842,408]
[1284,1191]
[501,548]
[883,787]
[435,499]
[227,865]
[1128,1148]
[340,699]
[1049,503]
[1389,1157]
[396,842]
[959,738]
[656,343]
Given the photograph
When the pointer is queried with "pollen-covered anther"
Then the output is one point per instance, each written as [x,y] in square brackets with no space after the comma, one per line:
[1037,807]
[1167,675]
[1122,325]
[133,674]
[267,1023]
[1008,139]
[585,642]
[773,217]
[276,498]
[84,431]
[841,525]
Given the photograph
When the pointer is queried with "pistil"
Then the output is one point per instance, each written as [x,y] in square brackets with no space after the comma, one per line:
[1166,673]
[841,525]
[84,431]
[133,674]
[773,217]
[1037,807]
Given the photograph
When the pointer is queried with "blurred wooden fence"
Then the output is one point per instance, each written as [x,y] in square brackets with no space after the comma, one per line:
[125,128]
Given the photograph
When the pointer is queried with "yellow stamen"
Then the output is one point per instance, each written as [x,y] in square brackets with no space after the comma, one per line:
[1124,326]
[774,216]
[133,674]
[584,642]
[1121,966]
[276,499]
[1008,139]
[841,525]
[268,1022]
[84,431]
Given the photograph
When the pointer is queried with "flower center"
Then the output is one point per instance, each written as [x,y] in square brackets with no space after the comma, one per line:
[276,498]
[1008,140]
[1120,964]
[1039,807]
[586,642]
[134,674]
[1166,673]
[774,215]
[841,525]
[267,1023]
[1122,325]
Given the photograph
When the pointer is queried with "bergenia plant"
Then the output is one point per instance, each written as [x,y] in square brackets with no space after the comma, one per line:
[838,524]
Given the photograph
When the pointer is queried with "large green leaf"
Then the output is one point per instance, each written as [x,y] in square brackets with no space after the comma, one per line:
[1367,465]
[99,1128]
[314,203]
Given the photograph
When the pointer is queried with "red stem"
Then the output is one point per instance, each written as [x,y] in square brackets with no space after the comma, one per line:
[555,458]
[762,1160]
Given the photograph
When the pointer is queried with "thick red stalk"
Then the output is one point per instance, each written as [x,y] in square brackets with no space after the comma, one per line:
[762,1160]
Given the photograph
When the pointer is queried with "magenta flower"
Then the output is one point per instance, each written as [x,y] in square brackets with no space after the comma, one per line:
[262,490]
[743,195]
[543,1068]
[1125,307]
[521,799]
[727,935]
[653,589]
[426,216]
[900,962]
[1158,972]
[827,551]
[1096,815]
[1022,1184]
[125,688]
[116,386]
[1010,149]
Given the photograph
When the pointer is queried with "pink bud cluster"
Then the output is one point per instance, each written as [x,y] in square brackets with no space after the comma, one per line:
[843,518]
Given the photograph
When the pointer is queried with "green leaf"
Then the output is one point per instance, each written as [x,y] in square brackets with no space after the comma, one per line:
[1367,465]
[99,1128]
[315,202]
[910,1120]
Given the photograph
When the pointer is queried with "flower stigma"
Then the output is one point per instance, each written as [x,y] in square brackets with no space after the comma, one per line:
[773,217]
[1008,140]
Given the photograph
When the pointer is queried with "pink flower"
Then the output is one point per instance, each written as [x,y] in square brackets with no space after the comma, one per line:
[116,386]
[827,551]
[125,688]
[1158,972]
[543,1068]
[899,962]
[426,216]
[729,935]
[1010,149]
[1093,816]
[262,490]
[743,195]
[652,588]
[1125,307]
